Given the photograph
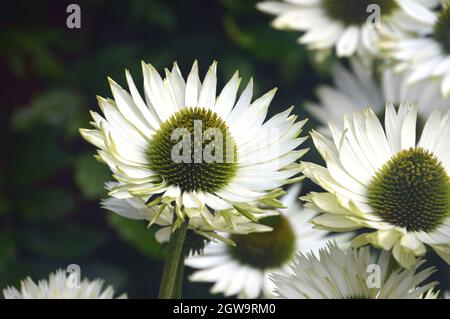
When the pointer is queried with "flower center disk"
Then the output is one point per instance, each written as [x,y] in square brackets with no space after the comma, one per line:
[268,249]
[442,30]
[194,150]
[357,12]
[412,190]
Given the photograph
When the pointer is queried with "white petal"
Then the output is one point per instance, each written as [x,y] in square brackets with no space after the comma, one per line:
[348,42]
[192,87]
[207,97]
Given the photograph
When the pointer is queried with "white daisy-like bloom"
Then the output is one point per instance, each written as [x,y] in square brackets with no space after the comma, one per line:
[355,88]
[348,26]
[425,54]
[61,286]
[135,208]
[244,269]
[352,274]
[431,294]
[382,179]
[185,148]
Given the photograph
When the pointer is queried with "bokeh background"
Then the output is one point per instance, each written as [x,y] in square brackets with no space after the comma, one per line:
[50,184]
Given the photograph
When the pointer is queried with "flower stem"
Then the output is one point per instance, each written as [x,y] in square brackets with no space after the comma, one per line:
[173,269]
[178,290]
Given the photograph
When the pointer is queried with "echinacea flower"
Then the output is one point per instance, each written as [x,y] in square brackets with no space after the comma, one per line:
[60,285]
[187,149]
[424,54]
[352,274]
[244,269]
[348,26]
[355,88]
[383,181]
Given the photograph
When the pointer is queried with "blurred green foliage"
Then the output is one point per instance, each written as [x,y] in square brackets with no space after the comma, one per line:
[137,234]
[50,184]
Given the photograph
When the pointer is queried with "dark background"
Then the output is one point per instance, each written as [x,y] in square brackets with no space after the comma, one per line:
[50,184]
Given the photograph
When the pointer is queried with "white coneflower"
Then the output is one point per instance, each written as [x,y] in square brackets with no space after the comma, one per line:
[356,88]
[349,26]
[244,269]
[425,54]
[344,274]
[190,150]
[384,180]
[60,286]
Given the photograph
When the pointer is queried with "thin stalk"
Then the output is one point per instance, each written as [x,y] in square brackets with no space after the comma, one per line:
[173,268]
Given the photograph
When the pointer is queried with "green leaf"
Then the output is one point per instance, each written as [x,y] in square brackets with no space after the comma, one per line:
[8,259]
[36,156]
[111,275]
[90,176]
[136,233]
[62,240]
[157,13]
[47,204]
[322,66]
[7,249]
[265,42]
[30,47]
[112,60]
[4,204]
[61,108]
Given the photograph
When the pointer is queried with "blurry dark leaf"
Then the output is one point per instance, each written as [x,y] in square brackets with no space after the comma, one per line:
[7,250]
[111,275]
[60,108]
[239,6]
[264,42]
[47,204]
[136,233]
[90,176]
[323,66]
[157,13]
[36,156]
[230,63]
[10,265]
[4,204]
[111,60]
[18,45]
[63,240]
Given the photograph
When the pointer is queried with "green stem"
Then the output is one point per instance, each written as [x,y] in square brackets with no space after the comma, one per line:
[178,290]
[170,286]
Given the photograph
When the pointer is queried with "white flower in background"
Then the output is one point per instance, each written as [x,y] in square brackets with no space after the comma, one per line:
[355,88]
[431,294]
[352,274]
[244,269]
[60,286]
[135,208]
[349,26]
[382,179]
[136,139]
[425,54]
